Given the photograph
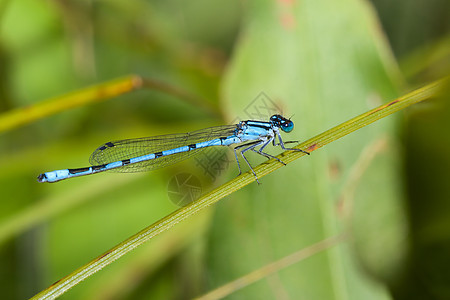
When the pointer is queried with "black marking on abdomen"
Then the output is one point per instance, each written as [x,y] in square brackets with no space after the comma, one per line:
[192,146]
[80,170]
[158,154]
[125,162]
[99,167]
[222,139]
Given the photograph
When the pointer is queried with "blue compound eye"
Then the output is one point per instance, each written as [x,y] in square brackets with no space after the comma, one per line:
[287,126]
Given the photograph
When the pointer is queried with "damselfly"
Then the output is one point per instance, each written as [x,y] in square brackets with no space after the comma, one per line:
[150,153]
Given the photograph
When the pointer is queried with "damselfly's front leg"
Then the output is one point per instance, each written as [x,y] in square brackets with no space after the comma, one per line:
[281,144]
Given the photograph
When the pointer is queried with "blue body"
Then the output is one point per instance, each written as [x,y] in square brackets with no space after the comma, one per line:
[146,154]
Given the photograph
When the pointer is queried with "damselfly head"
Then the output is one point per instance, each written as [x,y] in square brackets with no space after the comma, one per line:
[279,121]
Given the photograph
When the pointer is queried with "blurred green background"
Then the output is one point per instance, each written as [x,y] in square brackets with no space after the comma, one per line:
[320,61]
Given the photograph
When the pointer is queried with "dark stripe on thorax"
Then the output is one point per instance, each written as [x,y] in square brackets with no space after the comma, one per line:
[264,125]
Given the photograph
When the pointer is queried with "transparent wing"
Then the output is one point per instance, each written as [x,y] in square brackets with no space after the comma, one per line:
[126,149]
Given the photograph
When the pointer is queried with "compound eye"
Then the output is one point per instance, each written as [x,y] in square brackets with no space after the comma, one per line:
[287,126]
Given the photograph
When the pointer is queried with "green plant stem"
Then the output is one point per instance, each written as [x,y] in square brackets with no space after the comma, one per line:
[96,93]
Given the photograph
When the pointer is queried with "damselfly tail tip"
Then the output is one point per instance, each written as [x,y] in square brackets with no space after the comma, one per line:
[42,178]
